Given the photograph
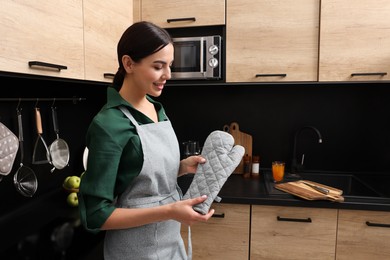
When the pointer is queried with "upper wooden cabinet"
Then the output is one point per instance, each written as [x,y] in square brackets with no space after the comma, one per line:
[79,42]
[104,24]
[363,235]
[293,233]
[268,40]
[49,32]
[182,13]
[355,40]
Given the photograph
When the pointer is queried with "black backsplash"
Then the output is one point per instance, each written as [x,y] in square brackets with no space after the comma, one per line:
[73,119]
[352,119]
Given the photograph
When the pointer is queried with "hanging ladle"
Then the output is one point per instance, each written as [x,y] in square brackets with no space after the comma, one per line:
[25,181]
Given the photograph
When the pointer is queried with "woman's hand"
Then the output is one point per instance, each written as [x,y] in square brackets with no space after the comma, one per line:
[183,211]
[190,164]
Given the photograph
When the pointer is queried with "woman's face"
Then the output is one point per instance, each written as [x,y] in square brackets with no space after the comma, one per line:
[152,72]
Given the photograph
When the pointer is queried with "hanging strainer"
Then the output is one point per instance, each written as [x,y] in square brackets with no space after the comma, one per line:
[59,149]
[25,181]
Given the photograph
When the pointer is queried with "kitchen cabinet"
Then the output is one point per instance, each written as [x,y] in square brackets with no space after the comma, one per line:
[268,40]
[363,235]
[181,13]
[49,32]
[224,236]
[355,40]
[293,233]
[78,43]
[104,24]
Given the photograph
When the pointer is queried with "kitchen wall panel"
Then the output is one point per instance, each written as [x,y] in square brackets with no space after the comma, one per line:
[352,118]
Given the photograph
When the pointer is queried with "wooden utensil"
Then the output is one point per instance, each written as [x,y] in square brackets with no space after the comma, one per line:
[240,138]
[301,189]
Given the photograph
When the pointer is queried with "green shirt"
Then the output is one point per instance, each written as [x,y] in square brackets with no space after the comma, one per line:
[115,158]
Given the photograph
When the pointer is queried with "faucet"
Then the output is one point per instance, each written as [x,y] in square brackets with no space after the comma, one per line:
[295,168]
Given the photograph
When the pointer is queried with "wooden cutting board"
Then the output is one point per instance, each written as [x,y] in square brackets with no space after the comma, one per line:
[242,139]
[298,188]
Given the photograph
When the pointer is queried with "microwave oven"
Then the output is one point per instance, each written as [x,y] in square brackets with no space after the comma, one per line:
[197,58]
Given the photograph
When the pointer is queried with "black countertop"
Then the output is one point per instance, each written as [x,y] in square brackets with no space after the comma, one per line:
[239,190]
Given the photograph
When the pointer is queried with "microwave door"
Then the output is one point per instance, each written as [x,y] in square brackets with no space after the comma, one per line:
[189,57]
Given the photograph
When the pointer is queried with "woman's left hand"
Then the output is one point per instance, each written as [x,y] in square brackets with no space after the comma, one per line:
[190,164]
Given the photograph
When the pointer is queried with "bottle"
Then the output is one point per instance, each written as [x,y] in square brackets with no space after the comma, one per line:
[247,166]
[255,166]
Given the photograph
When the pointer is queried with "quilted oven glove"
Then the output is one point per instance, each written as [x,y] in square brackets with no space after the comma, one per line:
[9,145]
[222,157]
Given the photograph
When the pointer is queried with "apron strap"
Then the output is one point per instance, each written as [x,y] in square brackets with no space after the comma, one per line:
[189,250]
[129,115]
[189,246]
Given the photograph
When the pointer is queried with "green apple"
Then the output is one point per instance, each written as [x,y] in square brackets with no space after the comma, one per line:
[65,183]
[72,199]
[73,182]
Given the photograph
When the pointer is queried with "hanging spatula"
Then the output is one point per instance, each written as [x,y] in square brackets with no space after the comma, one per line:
[37,157]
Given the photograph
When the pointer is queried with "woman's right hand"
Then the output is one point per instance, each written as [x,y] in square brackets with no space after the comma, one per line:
[183,211]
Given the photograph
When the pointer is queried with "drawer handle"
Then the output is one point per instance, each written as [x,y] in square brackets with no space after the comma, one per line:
[294,219]
[46,65]
[271,75]
[369,74]
[181,19]
[371,224]
[218,215]
[109,75]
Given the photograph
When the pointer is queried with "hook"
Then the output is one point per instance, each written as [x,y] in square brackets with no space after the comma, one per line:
[36,103]
[17,107]
[54,100]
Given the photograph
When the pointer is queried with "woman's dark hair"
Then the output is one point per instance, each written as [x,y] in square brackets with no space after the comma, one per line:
[140,40]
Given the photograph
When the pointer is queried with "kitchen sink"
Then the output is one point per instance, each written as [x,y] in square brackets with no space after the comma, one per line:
[350,184]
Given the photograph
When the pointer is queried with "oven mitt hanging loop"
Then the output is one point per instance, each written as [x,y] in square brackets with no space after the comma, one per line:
[222,158]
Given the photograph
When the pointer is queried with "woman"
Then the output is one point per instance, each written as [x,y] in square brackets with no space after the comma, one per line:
[130,186]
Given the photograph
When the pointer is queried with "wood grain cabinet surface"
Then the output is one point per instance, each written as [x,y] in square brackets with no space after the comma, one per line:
[49,32]
[104,24]
[182,13]
[270,40]
[293,233]
[355,40]
[77,42]
[363,235]
[224,237]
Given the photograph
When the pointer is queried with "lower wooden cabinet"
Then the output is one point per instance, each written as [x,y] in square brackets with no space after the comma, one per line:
[256,232]
[225,236]
[363,235]
[293,233]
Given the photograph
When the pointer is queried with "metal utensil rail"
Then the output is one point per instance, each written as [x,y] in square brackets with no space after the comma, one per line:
[74,99]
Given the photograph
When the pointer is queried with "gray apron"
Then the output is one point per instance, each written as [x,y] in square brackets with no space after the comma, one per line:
[155,185]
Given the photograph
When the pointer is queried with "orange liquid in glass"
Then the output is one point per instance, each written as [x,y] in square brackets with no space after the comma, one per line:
[278,171]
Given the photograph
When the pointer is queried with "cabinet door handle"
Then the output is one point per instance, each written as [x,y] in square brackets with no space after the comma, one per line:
[46,65]
[271,75]
[372,224]
[181,19]
[218,215]
[109,75]
[369,74]
[294,219]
